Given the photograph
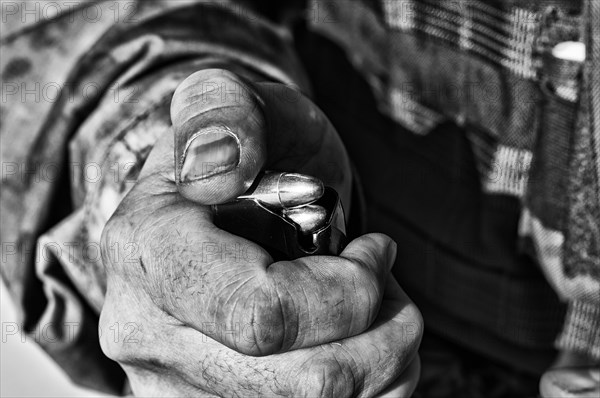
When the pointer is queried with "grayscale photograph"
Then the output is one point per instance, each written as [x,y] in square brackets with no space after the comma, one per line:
[300,198]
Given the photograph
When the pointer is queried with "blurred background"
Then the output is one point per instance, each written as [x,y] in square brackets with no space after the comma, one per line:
[25,370]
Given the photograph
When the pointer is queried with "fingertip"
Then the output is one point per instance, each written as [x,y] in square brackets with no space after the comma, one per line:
[375,249]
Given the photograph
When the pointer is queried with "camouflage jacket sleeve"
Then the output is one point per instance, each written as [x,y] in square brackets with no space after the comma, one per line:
[86,92]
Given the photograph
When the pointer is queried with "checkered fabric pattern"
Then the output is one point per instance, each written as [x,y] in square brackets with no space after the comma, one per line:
[487,66]
[533,123]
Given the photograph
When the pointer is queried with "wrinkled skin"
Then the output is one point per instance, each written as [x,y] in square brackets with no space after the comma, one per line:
[203,312]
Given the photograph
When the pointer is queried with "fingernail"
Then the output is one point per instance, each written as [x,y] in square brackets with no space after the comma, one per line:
[392,250]
[310,218]
[211,152]
[287,190]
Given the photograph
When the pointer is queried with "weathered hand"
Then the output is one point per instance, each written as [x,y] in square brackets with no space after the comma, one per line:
[214,314]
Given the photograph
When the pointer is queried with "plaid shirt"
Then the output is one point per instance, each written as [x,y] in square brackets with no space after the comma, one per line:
[531,118]
[487,66]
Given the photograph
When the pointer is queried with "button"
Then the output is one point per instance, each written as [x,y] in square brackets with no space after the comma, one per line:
[563,67]
[573,51]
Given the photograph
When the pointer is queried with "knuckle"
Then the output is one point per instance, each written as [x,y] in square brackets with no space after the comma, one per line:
[116,229]
[122,247]
[327,377]
[122,330]
[255,343]
[111,347]
[265,334]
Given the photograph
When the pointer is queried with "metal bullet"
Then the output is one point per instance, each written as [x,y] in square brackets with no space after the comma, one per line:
[310,218]
[286,190]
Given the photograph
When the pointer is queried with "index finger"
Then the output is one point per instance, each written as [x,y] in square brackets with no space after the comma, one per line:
[205,277]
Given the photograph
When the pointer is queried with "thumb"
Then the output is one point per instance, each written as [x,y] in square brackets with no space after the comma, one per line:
[220,144]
